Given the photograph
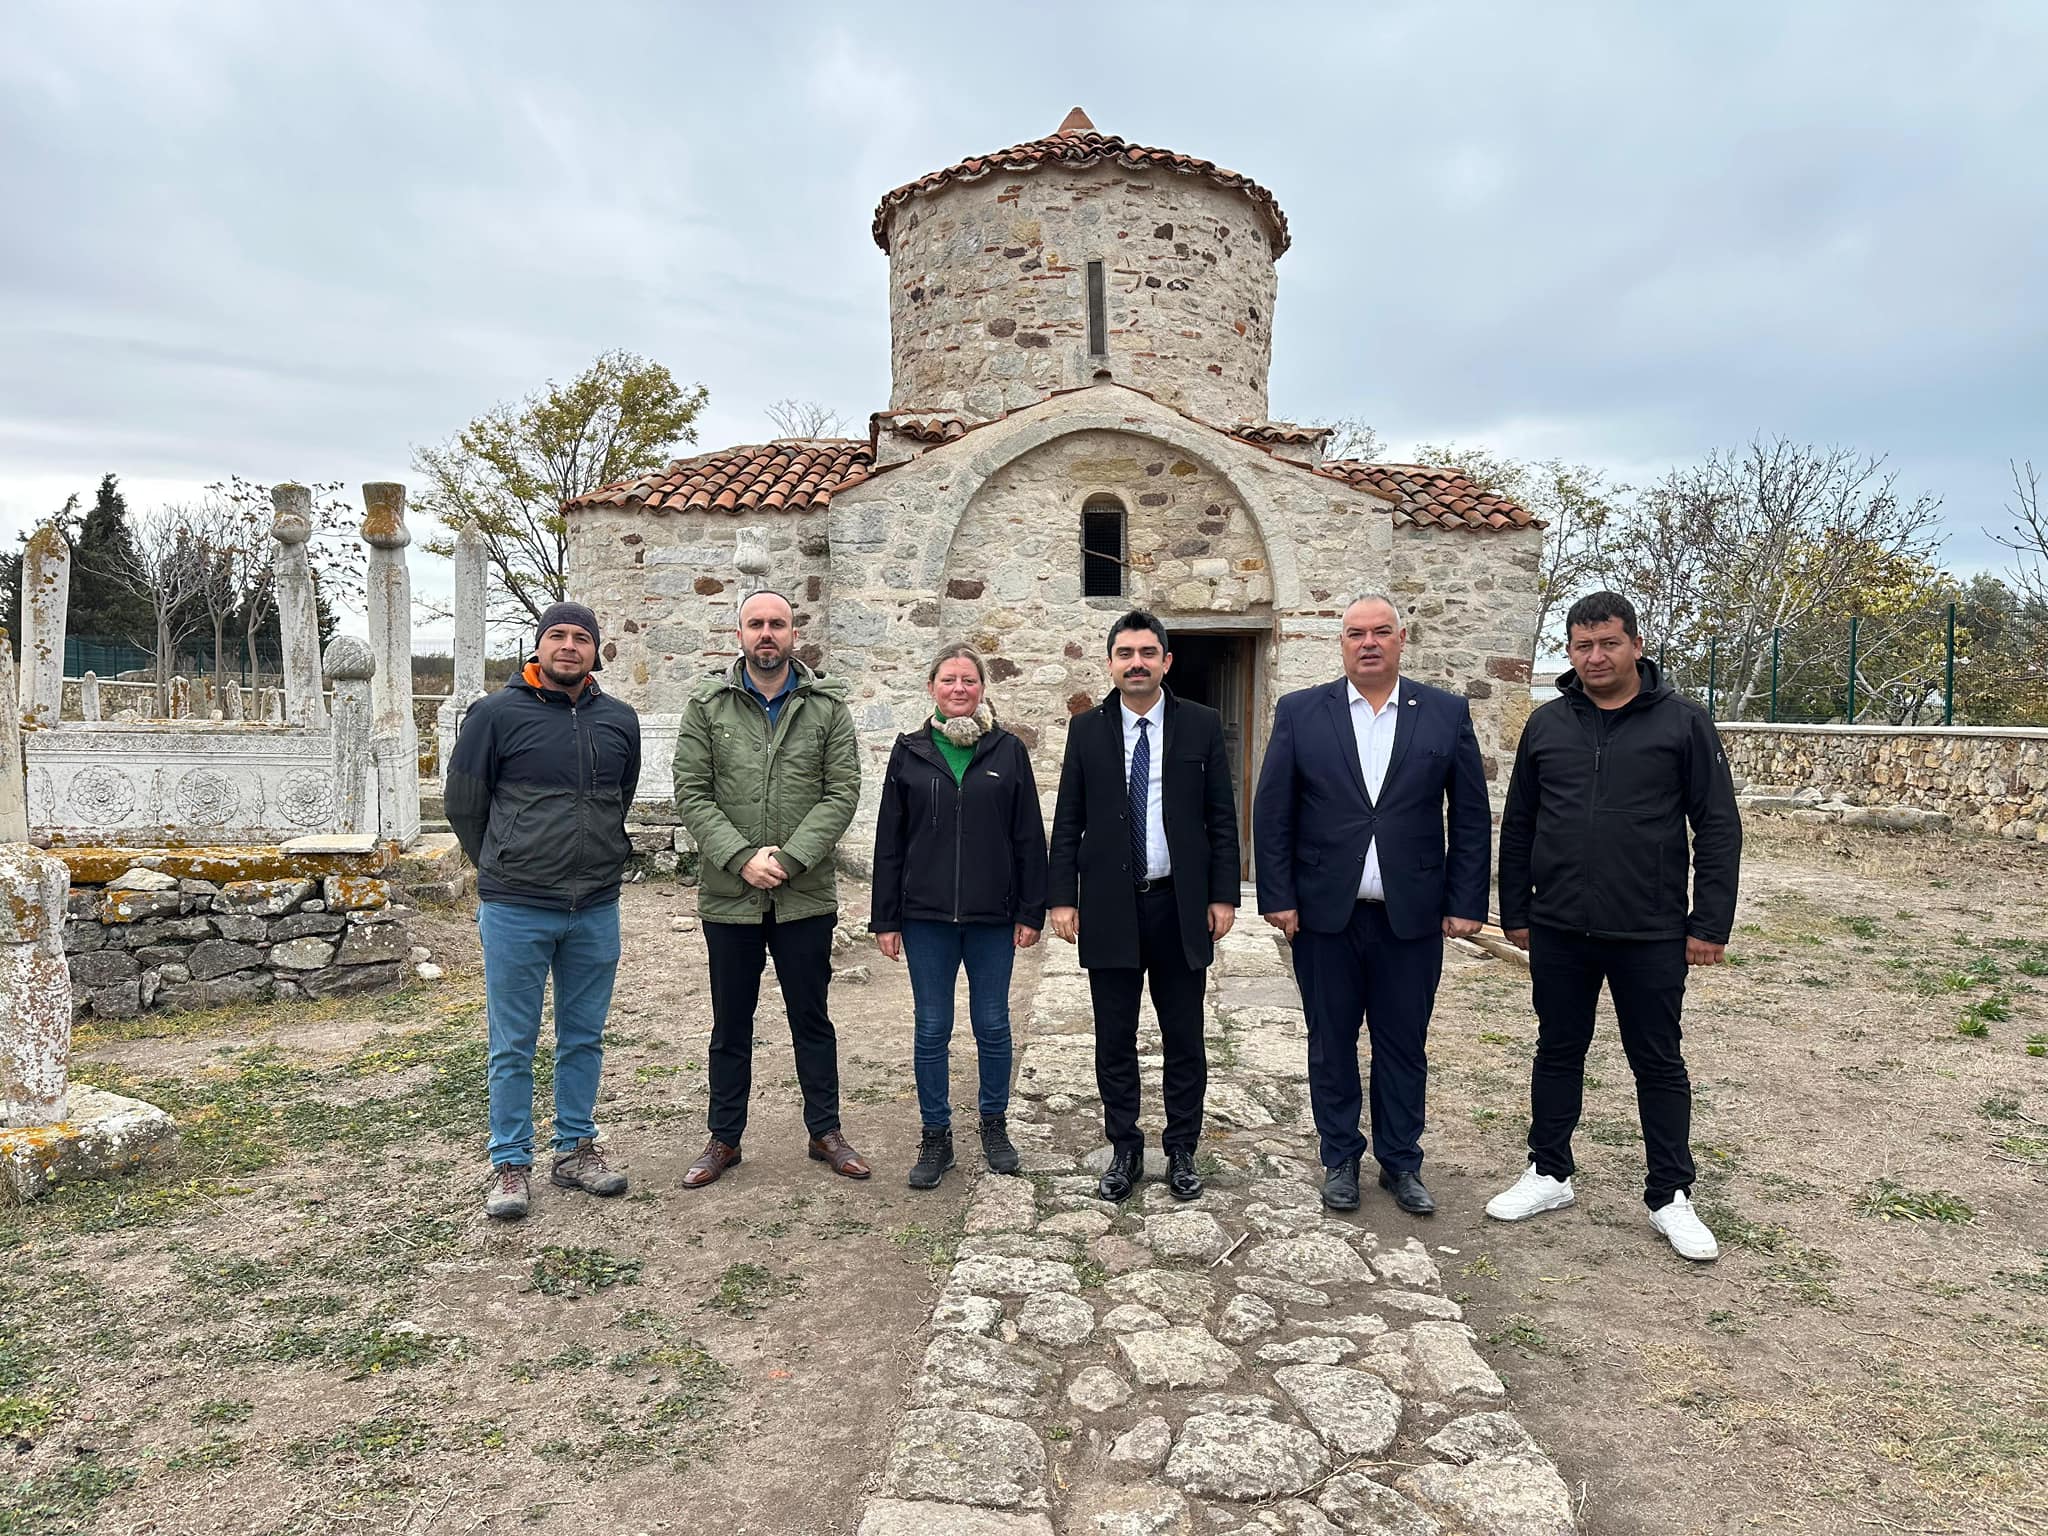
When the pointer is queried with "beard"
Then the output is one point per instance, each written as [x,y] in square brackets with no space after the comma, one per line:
[563,676]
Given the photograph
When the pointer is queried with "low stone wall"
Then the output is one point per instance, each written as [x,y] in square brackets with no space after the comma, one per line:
[1993,779]
[152,940]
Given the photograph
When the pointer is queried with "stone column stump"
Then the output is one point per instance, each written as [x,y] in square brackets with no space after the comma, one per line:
[51,1129]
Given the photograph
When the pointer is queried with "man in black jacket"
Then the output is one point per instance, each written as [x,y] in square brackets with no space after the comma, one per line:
[1593,865]
[1144,871]
[541,779]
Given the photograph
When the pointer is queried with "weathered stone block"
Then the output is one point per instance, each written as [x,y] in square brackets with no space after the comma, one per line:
[134,906]
[103,1133]
[103,968]
[263,898]
[306,954]
[219,957]
[355,893]
[117,1000]
[299,925]
[372,944]
[338,980]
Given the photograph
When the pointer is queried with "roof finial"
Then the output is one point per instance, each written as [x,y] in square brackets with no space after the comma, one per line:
[1076,121]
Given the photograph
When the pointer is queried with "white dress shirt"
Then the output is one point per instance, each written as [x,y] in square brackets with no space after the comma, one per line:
[1158,864]
[1374,732]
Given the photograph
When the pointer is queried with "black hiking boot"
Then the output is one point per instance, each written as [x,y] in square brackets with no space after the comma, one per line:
[934,1157]
[996,1148]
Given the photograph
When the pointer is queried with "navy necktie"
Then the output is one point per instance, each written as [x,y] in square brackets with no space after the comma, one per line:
[1141,782]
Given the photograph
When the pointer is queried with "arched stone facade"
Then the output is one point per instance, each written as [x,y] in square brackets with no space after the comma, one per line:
[1012,581]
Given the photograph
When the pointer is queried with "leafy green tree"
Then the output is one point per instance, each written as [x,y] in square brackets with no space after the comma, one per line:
[508,472]
[2002,634]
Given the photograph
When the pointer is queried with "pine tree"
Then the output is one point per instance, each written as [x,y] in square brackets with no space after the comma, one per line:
[102,607]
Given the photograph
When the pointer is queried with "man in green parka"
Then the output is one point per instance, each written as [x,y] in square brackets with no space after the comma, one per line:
[767,774]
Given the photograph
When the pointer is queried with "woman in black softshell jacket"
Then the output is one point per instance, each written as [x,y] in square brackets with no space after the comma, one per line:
[959,880]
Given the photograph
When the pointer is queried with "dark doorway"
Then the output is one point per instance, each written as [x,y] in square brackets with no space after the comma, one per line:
[1221,671]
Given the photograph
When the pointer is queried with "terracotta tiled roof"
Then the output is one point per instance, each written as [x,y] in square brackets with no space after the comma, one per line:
[1076,143]
[923,426]
[794,475]
[1426,496]
[1281,432]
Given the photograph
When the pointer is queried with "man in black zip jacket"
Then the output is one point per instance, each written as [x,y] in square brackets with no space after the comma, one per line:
[1593,865]
[539,785]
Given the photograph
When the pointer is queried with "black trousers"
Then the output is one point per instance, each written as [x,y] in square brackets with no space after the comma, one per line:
[1366,975]
[803,969]
[1646,979]
[1177,998]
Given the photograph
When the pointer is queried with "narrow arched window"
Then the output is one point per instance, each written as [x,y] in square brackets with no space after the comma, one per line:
[1102,547]
[1098,311]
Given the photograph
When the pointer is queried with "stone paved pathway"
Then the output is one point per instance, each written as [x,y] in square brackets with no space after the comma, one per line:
[1243,1365]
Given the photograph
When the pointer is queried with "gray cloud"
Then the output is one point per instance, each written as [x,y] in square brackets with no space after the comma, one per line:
[289,242]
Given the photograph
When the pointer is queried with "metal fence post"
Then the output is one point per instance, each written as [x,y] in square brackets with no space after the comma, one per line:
[1713,672]
[1854,621]
[1774,674]
[1948,687]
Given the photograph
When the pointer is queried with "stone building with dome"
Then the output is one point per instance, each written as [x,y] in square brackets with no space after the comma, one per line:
[1080,334]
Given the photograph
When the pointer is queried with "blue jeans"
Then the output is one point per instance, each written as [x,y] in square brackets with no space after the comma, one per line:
[934,953]
[521,946]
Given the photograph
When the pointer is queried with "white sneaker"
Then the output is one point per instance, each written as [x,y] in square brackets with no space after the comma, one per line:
[1679,1222]
[1532,1194]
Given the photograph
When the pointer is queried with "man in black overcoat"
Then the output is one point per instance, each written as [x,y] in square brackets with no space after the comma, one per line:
[1145,874]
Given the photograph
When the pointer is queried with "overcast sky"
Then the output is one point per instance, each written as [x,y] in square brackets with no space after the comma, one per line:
[296,241]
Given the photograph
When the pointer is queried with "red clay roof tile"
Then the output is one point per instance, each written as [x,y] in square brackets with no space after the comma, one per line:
[1077,143]
[794,475]
[1432,496]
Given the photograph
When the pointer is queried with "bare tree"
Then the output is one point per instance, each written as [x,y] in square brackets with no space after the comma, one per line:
[1575,504]
[805,419]
[1351,438]
[2028,537]
[163,565]
[238,531]
[1761,539]
[216,536]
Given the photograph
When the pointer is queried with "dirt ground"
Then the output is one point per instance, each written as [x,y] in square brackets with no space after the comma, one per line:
[1871,1351]
[306,1326]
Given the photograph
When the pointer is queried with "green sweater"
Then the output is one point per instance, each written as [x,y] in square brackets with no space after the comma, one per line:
[957,757]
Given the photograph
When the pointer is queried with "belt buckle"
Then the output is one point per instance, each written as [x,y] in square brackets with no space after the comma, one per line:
[1144,885]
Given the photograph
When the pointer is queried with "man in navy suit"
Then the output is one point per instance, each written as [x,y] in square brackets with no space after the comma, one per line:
[1372,836]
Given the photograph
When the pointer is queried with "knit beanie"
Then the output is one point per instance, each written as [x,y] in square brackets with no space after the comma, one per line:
[577,614]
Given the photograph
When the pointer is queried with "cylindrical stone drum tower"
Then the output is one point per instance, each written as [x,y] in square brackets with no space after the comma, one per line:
[1045,265]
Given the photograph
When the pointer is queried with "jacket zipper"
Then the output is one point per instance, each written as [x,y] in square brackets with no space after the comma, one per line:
[576,735]
[959,817]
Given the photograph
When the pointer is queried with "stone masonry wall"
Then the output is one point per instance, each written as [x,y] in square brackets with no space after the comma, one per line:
[149,940]
[1994,778]
[1470,601]
[664,588]
[988,291]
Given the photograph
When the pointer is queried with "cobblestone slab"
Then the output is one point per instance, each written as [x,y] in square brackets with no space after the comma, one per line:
[1244,1365]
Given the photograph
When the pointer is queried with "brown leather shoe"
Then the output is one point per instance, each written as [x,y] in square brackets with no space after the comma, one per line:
[835,1149]
[714,1160]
